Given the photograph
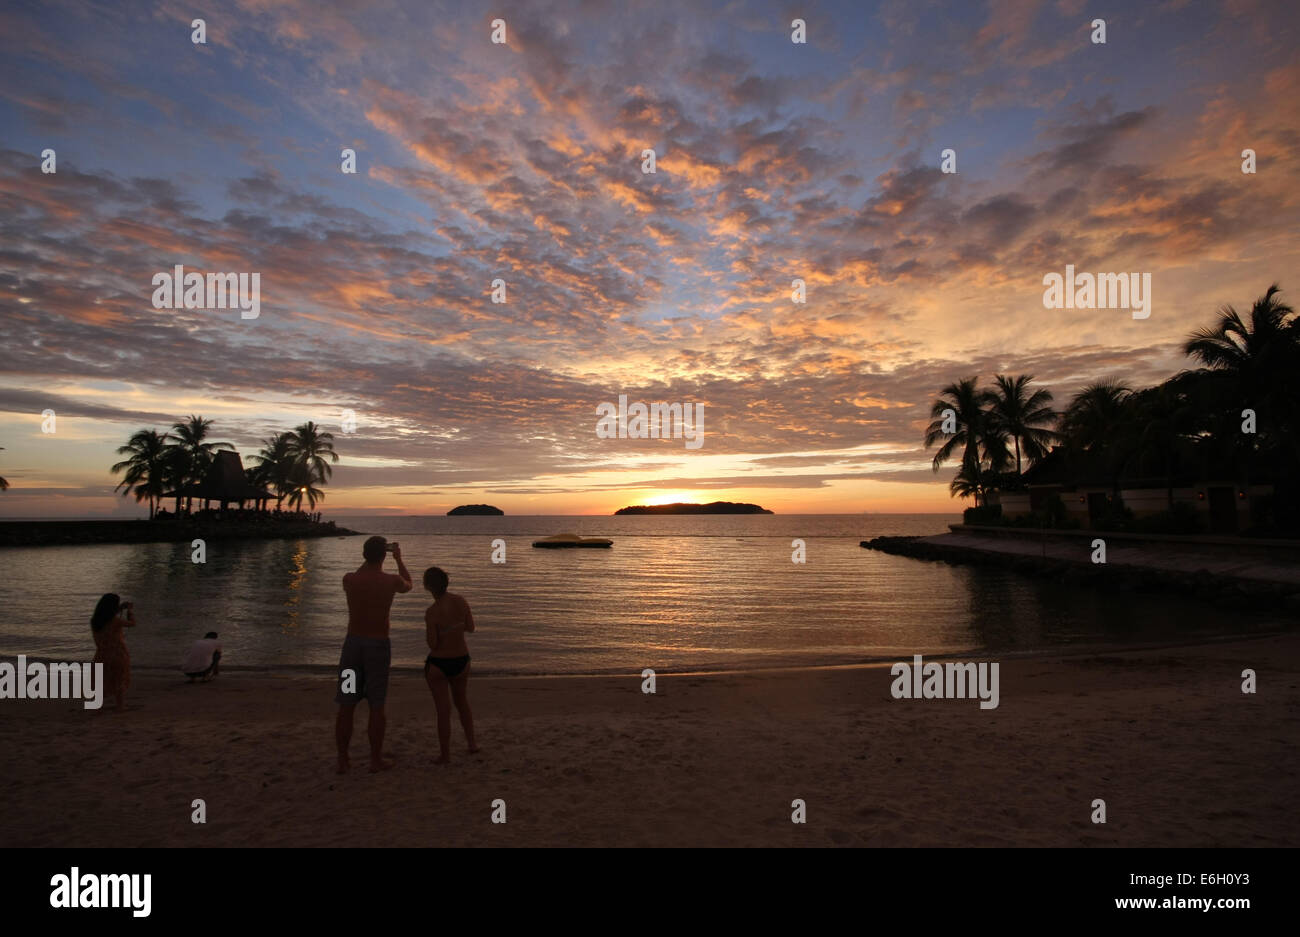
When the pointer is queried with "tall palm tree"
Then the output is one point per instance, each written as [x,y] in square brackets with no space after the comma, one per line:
[146,469]
[1022,415]
[4,482]
[310,447]
[1255,363]
[966,401]
[190,455]
[275,465]
[974,433]
[303,485]
[1255,353]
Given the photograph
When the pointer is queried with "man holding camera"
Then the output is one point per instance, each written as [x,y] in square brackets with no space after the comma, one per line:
[367,652]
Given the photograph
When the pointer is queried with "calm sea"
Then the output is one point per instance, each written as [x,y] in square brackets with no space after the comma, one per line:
[673,593]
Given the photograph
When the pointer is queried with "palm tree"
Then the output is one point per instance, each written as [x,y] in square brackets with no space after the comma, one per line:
[1254,353]
[1255,363]
[146,469]
[1023,415]
[4,482]
[191,454]
[966,401]
[974,433]
[176,471]
[309,446]
[275,465]
[303,485]
[969,482]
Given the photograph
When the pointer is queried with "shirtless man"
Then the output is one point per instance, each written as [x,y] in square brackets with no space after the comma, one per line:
[447,667]
[367,651]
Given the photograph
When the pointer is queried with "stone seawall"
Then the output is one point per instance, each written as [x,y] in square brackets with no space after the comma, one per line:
[1220,575]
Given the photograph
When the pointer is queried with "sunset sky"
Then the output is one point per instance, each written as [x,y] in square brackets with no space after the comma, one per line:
[522,161]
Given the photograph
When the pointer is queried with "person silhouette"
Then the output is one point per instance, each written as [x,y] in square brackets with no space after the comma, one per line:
[367,651]
[446,669]
[107,625]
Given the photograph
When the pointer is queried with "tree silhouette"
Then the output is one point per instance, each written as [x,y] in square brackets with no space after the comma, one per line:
[1022,415]
[147,470]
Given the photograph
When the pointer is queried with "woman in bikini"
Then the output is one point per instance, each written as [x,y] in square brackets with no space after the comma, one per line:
[447,667]
[107,625]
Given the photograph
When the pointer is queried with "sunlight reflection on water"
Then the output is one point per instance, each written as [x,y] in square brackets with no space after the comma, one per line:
[673,593]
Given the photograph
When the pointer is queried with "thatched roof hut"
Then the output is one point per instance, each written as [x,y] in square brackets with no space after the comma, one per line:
[225,482]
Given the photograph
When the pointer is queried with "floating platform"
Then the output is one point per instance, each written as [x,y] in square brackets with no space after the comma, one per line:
[570,541]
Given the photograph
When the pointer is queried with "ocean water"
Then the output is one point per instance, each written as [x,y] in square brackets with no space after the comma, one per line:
[674,593]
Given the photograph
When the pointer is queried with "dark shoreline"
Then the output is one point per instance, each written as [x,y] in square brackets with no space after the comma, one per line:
[184,530]
[1225,591]
[1065,651]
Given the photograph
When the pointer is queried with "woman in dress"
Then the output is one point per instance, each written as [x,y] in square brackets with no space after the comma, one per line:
[112,616]
[447,667]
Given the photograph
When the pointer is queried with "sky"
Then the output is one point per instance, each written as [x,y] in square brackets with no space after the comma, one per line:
[523,162]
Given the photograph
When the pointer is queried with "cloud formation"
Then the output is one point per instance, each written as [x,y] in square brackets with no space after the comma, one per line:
[522,163]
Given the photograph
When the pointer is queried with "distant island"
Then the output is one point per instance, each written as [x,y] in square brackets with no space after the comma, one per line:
[713,507]
[477,509]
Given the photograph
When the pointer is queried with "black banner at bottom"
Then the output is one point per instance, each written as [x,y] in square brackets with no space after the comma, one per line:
[340,887]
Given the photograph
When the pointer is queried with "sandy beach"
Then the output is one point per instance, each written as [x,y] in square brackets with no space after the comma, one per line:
[1164,735]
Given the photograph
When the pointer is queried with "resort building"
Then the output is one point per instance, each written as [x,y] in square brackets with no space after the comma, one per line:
[1223,506]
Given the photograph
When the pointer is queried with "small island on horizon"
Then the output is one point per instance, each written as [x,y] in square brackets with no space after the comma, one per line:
[713,507]
[483,510]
